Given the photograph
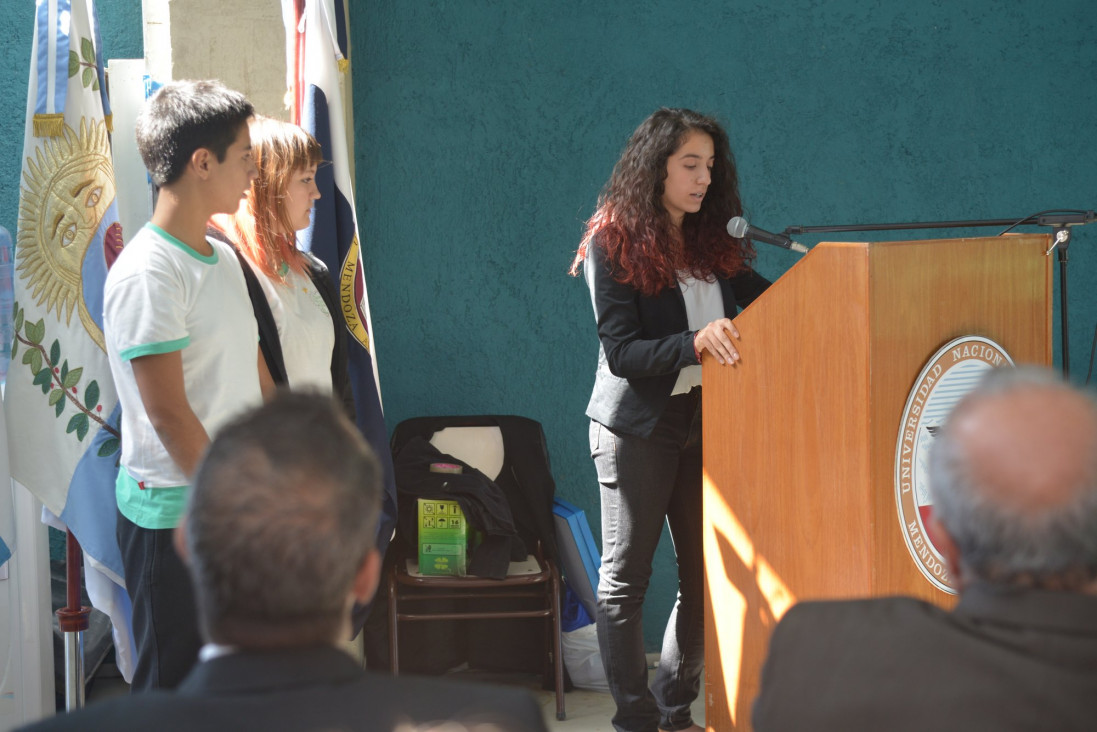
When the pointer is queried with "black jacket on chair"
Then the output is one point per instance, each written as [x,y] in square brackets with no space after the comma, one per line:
[526,481]
[482,502]
[526,478]
[644,341]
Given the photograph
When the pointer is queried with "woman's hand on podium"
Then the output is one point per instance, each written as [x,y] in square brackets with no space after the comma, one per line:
[716,339]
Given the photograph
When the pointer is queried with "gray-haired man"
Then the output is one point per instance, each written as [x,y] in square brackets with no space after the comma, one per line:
[1014,481]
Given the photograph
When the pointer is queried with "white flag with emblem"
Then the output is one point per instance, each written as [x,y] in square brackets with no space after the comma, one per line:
[60,396]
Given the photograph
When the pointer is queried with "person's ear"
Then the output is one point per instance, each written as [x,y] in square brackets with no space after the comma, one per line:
[367,577]
[179,539]
[946,545]
[200,160]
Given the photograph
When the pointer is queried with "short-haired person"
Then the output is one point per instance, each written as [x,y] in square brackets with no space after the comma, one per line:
[665,278]
[1013,475]
[279,536]
[182,346]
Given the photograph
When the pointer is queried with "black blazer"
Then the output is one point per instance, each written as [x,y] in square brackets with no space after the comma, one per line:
[305,689]
[644,341]
[1003,659]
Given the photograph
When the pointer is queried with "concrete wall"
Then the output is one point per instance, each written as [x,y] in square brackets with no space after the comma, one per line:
[240,43]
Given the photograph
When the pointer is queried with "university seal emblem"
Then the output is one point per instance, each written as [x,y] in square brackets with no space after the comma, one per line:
[950,374]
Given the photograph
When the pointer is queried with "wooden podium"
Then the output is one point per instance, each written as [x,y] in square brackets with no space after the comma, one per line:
[800,435]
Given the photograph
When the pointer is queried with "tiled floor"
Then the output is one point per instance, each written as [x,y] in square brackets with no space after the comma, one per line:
[591,711]
[587,711]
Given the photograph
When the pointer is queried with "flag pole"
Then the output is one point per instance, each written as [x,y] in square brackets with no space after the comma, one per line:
[298,63]
[73,620]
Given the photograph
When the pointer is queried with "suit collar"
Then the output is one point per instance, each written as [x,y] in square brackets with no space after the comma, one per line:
[1066,612]
[252,671]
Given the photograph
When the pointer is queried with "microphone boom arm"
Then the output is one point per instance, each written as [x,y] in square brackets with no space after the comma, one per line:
[1071,218]
[1060,219]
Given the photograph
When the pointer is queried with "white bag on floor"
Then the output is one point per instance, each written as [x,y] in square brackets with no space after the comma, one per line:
[582,658]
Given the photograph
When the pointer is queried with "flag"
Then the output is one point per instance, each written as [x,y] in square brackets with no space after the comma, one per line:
[7,526]
[60,395]
[317,66]
[13,639]
[7,509]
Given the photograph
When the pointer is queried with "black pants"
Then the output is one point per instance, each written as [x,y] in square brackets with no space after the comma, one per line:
[646,481]
[165,624]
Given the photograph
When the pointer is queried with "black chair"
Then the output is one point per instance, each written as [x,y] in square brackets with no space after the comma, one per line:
[511,451]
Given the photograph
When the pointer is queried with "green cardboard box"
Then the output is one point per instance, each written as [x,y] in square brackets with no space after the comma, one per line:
[443,538]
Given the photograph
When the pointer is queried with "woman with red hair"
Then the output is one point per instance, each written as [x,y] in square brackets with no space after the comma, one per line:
[665,279]
[295,303]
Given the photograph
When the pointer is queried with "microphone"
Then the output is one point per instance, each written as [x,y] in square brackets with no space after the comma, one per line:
[740,229]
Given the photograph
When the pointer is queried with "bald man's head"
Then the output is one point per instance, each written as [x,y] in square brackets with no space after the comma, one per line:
[1014,481]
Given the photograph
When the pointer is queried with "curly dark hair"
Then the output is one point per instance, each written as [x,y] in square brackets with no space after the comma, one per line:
[635,230]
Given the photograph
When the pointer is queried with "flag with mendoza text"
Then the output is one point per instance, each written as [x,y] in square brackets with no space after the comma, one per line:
[64,442]
[318,64]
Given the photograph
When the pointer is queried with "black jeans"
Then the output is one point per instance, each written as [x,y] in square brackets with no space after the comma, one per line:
[165,624]
[643,482]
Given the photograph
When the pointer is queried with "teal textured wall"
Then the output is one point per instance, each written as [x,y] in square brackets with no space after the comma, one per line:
[485,128]
[120,28]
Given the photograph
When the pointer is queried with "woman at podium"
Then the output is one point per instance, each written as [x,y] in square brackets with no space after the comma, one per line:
[665,279]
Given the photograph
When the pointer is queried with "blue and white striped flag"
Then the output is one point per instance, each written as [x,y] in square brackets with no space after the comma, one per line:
[59,390]
[319,36]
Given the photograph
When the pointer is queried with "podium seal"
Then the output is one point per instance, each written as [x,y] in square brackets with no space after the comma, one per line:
[948,375]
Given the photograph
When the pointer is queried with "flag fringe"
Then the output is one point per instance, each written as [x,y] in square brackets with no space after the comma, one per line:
[344,65]
[109,120]
[49,125]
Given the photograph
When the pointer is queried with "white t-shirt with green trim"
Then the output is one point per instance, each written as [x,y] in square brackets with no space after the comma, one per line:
[162,296]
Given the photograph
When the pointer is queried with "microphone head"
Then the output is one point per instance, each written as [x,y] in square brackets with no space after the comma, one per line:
[737,227]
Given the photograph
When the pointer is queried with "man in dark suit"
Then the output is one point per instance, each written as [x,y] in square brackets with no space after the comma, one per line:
[279,539]
[1013,476]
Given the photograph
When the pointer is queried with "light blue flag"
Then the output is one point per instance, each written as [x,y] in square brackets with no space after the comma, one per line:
[91,510]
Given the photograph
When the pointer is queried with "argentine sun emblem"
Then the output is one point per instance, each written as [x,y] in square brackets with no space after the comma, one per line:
[950,374]
[68,187]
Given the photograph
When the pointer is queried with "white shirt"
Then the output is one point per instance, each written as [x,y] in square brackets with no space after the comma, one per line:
[704,304]
[162,296]
[305,329]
